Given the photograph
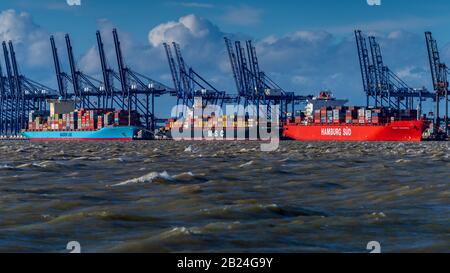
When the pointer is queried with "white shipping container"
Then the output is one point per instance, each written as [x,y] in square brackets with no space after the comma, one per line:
[361,112]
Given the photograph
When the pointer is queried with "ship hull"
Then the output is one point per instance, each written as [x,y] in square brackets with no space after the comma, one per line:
[120,133]
[236,134]
[409,131]
[214,134]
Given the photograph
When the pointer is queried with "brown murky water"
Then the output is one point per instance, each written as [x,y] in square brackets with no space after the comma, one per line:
[164,196]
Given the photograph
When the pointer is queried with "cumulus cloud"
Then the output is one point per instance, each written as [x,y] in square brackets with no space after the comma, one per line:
[243,15]
[197,5]
[202,45]
[187,28]
[30,40]
[310,61]
[145,58]
[301,61]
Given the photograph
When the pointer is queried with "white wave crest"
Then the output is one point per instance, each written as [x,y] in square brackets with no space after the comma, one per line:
[246,164]
[147,178]
[189,149]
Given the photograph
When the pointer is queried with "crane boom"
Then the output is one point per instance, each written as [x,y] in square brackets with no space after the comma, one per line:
[234,65]
[120,63]
[182,65]
[173,69]
[73,69]
[8,69]
[59,77]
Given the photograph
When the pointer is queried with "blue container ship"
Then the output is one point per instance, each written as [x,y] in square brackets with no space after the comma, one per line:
[65,122]
[116,133]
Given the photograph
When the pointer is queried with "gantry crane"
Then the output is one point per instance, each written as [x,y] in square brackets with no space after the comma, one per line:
[382,86]
[189,84]
[253,85]
[19,95]
[439,75]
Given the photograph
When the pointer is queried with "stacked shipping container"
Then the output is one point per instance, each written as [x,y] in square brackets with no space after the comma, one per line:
[355,115]
[82,120]
[217,122]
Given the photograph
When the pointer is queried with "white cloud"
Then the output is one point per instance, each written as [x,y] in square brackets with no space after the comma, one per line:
[301,61]
[243,15]
[186,28]
[202,45]
[389,25]
[300,80]
[90,62]
[74,2]
[308,61]
[30,40]
[197,5]
[410,73]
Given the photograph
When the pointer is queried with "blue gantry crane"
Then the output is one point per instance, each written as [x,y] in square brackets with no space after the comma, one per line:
[189,84]
[19,95]
[439,75]
[130,90]
[253,85]
[134,91]
[86,91]
[382,86]
[121,89]
[138,90]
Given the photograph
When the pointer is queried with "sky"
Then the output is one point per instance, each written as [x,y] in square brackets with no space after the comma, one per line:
[305,46]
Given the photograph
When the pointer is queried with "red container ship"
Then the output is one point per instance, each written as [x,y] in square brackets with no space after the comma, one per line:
[333,121]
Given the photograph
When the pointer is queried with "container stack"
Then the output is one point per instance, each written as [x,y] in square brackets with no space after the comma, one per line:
[323,115]
[121,118]
[329,116]
[359,115]
[368,116]
[376,116]
[362,116]
[317,116]
[351,115]
[81,119]
[218,122]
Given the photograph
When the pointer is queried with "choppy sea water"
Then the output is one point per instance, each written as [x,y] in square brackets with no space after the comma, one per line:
[165,196]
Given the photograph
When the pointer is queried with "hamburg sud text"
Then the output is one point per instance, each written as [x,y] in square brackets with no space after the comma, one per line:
[336,131]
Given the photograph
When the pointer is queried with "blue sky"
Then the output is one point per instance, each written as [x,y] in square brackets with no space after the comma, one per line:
[260,18]
[304,45]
